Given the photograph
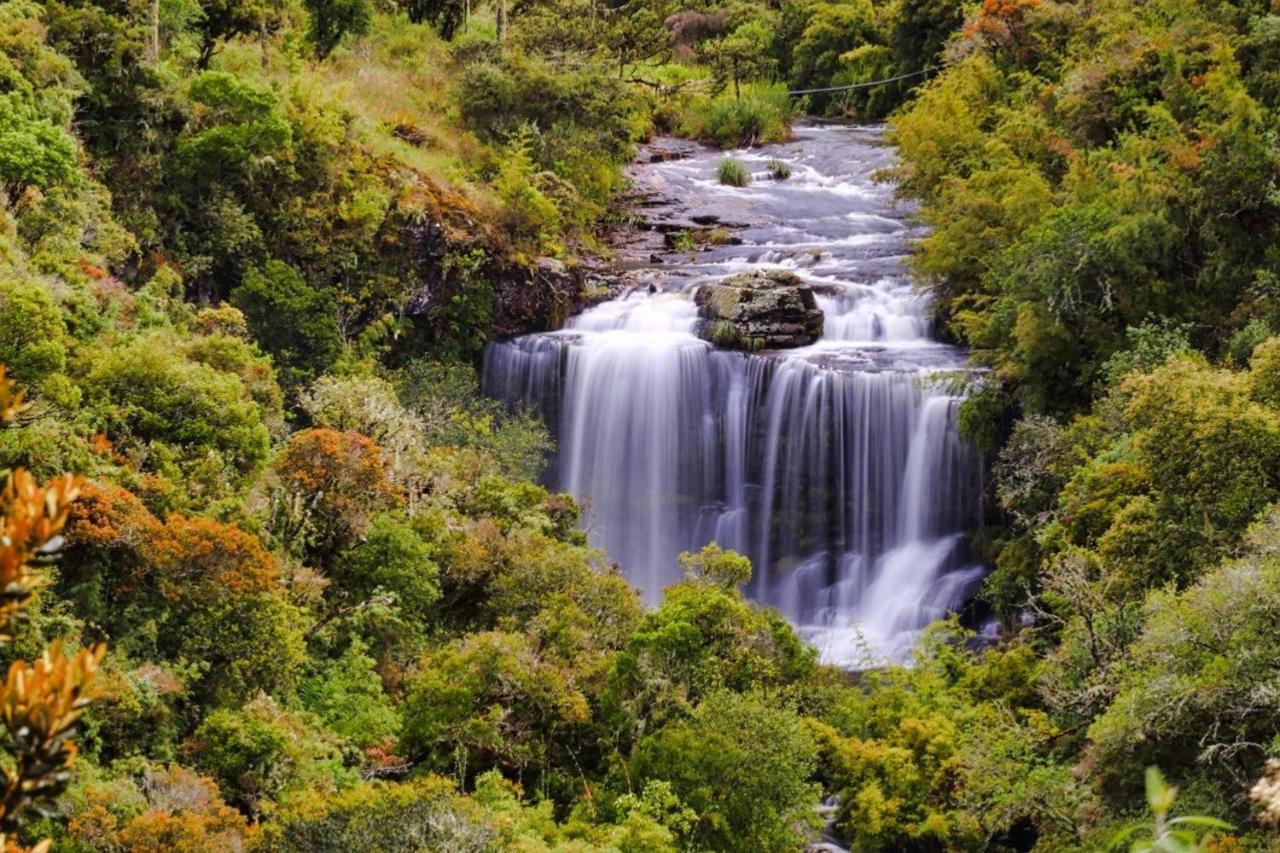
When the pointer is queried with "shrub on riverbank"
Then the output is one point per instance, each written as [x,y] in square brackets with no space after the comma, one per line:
[762,114]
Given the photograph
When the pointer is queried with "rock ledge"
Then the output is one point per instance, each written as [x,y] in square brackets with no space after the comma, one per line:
[761,309]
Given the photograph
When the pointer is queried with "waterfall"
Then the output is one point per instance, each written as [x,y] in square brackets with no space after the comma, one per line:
[837,468]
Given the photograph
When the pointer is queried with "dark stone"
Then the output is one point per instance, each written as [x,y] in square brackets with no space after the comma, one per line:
[666,148]
[762,309]
[534,299]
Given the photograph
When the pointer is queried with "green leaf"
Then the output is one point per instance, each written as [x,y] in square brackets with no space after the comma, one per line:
[1159,795]
[1202,820]
[1117,841]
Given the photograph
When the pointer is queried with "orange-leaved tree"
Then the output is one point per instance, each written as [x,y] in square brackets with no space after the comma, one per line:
[41,701]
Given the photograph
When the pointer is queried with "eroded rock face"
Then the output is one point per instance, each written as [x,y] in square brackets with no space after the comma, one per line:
[761,309]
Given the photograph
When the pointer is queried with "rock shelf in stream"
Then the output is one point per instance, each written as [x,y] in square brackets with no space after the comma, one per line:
[759,309]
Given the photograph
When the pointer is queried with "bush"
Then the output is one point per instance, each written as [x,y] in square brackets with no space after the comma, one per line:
[261,750]
[491,700]
[761,115]
[392,558]
[421,814]
[1187,698]
[706,636]
[33,150]
[165,808]
[296,322]
[240,130]
[347,695]
[33,335]
[573,130]
[178,418]
[447,398]
[732,173]
[742,762]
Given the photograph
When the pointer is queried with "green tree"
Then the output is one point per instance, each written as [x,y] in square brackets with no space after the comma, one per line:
[221,20]
[444,16]
[296,322]
[239,131]
[391,557]
[178,418]
[33,151]
[346,693]
[832,31]
[741,762]
[334,20]
[490,700]
[261,750]
[33,333]
[741,55]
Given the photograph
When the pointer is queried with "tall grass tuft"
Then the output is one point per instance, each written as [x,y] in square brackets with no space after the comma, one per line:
[733,173]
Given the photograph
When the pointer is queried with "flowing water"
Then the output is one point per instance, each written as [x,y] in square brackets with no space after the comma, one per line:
[836,468]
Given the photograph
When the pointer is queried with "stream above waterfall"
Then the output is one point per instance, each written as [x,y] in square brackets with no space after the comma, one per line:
[837,467]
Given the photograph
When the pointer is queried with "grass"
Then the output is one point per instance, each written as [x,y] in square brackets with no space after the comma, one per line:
[732,173]
[779,170]
[393,84]
[679,241]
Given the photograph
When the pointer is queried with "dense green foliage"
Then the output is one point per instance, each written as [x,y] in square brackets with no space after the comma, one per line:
[249,252]
[1100,182]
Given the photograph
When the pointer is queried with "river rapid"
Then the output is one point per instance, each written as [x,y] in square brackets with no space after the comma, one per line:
[837,467]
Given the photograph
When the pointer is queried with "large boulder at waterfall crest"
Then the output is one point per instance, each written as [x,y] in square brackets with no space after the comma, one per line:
[761,309]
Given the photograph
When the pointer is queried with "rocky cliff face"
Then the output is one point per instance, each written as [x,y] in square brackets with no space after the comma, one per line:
[761,309]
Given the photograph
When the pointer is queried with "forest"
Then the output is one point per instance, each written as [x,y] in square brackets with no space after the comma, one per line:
[277,575]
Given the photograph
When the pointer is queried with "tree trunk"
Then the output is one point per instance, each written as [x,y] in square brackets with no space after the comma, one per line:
[153,37]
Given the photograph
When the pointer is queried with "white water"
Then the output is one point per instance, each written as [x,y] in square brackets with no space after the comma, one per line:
[837,467]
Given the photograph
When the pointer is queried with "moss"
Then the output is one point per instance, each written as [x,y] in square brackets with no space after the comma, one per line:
[724,334]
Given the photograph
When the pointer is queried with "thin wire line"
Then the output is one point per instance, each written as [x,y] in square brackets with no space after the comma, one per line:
[866,85]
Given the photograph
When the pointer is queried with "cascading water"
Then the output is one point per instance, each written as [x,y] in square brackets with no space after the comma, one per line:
[836,467]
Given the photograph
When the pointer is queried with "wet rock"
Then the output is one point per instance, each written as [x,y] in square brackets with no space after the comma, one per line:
[761,309]
[666,148]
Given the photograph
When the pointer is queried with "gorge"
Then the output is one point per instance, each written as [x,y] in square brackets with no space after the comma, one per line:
[836,467]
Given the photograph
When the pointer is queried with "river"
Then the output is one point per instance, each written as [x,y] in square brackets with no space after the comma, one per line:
[837,467]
